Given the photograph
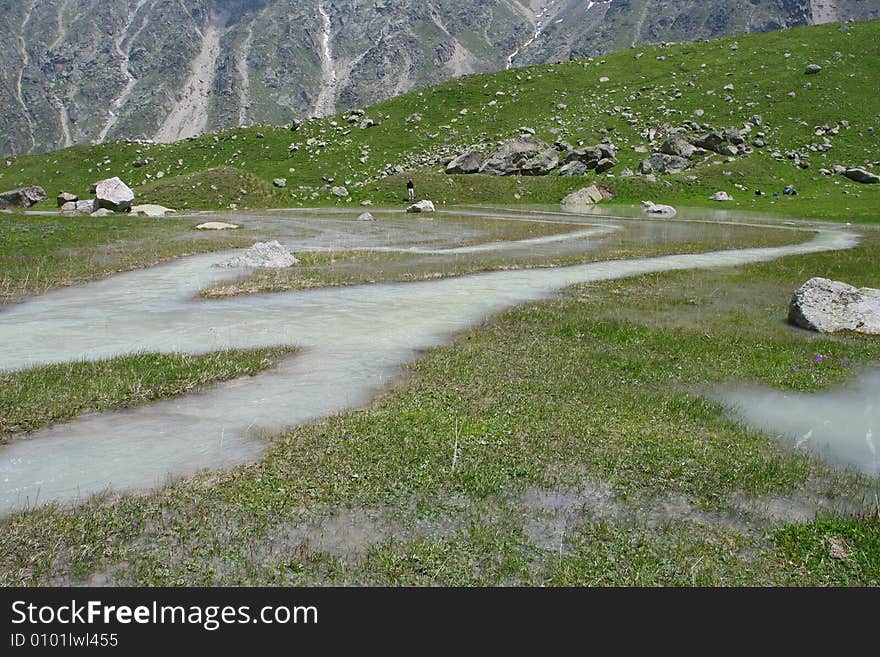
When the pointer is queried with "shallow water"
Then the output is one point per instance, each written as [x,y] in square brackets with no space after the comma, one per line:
[841,425]
[353,340]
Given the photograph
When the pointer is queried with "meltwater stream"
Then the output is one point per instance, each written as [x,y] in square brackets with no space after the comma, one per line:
[353,340]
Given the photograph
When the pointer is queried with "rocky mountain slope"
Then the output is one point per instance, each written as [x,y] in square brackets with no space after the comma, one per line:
[76,71]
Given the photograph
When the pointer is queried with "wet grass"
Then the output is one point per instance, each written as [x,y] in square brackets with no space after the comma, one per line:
[604,382]
[38,253]
[34,398]
[350,267]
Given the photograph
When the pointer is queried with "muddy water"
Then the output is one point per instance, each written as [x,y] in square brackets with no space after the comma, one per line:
[353,340]
[841,425]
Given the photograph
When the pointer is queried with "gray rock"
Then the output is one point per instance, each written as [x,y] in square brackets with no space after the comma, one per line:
[727,149]
[574,168]
[862,176]
[280,182]
[721,196]
[24,197]
[586,197]
[734,137]
[663,164]
[516,153]
[541,164]
[812,69]
[678,146]
[366,216]
[467,162]
[66,197]
[421,206]
[589,156]
[830,306]
[339,191]
[114,195]
[657,209]
[87,206]
[708,142]
[605,164]
[101,212]
[263,255]
[69,207]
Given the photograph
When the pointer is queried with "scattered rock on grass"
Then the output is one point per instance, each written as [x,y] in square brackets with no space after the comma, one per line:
[721,196]
[862,176]
[24,197]
[150,210]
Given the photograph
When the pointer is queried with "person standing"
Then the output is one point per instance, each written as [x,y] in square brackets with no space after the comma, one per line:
[410,190]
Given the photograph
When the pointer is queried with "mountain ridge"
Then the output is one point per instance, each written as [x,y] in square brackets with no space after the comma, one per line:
[92,70]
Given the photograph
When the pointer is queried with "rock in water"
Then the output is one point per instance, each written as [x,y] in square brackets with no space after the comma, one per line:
[216,225]
[659,210]
[862,176]
[586,197]
[421,206]
[266,255]
[829,306]
[114,195]
[150,210]
[22,198]
[366,216]
[468,162]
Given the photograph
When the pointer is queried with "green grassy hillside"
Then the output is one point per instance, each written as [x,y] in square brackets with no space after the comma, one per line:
[656,87]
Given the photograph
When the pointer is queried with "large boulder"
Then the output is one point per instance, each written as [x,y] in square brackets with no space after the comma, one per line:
[264,255]
[862,176]
[830,306]
[574,168]
[678,146]
[467,162]
[421,206]
[541,164]
[586,197]
[663,164]
[523,151]
[114,195]
[24,197]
